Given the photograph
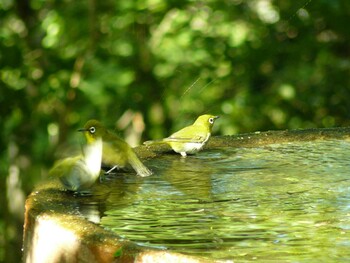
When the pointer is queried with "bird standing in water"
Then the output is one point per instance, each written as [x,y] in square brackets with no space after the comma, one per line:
[190,139]
[115,151]
[80,172]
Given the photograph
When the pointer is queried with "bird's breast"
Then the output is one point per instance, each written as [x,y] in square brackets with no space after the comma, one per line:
[188,147]
[193,147]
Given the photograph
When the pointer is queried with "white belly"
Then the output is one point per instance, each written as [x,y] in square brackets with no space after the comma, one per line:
[192,147]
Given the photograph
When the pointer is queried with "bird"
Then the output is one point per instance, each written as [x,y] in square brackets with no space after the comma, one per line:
[78,173]
[116,153]
[190,139]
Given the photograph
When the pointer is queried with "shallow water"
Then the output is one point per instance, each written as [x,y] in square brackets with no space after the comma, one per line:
[286,202]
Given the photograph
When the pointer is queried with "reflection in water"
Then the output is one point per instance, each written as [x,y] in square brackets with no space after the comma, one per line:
[90,206]
[287,202]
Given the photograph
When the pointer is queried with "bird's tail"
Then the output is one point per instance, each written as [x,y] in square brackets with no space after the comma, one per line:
[138,166]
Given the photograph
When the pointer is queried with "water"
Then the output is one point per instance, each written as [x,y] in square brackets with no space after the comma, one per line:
[286,202]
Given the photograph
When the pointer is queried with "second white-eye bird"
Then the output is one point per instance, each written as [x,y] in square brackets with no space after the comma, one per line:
[115,151]
[190,139]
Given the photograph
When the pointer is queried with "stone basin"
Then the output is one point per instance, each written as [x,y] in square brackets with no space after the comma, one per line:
[55,230]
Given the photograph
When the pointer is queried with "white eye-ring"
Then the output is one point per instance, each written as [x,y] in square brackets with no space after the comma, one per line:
[211,120]
[92,130]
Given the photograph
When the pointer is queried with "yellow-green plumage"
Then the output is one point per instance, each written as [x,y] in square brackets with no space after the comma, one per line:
[115,151]
[80,172]
[190,139]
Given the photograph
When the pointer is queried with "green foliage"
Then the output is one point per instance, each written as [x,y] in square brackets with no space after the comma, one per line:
[260,64]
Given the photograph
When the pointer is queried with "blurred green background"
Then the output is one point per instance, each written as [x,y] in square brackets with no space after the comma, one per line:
[149,67]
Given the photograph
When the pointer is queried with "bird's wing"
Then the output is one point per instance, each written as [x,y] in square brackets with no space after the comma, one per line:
[115,153]
[114,143]
[187,134]
[64,166]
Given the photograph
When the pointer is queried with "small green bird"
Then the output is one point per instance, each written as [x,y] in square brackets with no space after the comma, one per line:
[80,172]
[115,151]
[190,139]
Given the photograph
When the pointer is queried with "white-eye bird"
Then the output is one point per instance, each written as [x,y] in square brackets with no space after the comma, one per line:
[80,172]
[115,151]
[190,139]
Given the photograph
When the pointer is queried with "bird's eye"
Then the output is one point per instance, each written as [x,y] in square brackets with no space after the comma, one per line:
[211,120]
[92,130]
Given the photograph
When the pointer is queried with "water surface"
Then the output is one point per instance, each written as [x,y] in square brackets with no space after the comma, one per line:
[285,202]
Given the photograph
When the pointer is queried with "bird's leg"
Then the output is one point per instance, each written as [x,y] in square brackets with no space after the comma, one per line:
[110,170]
[183,154]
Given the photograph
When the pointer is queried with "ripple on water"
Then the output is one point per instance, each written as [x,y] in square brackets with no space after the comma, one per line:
[285,202]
